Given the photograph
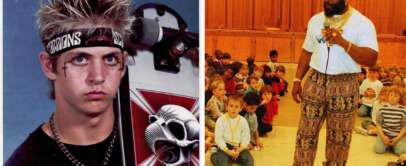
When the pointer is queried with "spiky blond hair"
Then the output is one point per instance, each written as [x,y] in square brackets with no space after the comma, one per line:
[56,16]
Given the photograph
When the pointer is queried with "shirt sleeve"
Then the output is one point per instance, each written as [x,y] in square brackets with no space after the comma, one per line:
[309,42]
[368,37]
[245,133]
[219,134]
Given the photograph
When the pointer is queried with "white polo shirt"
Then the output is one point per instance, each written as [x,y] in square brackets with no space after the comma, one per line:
[359,30]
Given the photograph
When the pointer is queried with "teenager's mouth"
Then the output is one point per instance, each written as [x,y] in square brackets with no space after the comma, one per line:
[95,95]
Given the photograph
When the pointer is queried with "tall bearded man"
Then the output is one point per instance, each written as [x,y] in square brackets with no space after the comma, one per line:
[338,41]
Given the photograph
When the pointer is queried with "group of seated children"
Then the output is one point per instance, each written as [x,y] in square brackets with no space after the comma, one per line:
[383,103]
[241,103]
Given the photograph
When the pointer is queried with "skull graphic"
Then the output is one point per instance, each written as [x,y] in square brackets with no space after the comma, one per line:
[172,134]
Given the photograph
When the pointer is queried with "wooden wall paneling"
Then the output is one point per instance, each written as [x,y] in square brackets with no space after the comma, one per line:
[399,18]
[281,44]
[209,44]
[284,47]
[402,53]
[216,14]
[293,15]
[386,51]
[392,51]
[298,43]
[263,46]
[267,14]
[379,12]
[253,49]
[271,14]
[285,22]
[240,14]
[300,14]
[239,47]
[254,39]
[317,6]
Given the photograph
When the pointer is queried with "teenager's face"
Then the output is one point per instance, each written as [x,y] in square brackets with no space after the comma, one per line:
[87,79]
[233,108]
[334,7]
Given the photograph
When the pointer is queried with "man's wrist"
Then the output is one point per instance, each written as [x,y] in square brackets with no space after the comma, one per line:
[297,79]
[344,44]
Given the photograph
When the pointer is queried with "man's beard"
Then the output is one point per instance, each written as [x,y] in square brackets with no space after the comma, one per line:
[334,9]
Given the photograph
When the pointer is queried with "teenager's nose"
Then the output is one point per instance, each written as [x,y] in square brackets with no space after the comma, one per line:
[96,73]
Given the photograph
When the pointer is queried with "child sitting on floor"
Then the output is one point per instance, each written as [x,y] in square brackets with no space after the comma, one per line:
[265,113]
[369,90]
[251,103]
[368,127]
[232,136]
[216,105]
[391,124]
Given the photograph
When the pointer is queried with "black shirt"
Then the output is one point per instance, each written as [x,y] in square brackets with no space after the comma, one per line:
[41,150]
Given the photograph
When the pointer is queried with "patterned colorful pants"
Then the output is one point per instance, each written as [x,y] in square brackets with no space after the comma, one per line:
[330,97]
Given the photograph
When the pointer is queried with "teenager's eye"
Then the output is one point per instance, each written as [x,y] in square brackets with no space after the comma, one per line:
[79,60]
[111,60]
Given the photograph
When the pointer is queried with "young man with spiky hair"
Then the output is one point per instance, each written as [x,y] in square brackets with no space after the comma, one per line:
[84,60]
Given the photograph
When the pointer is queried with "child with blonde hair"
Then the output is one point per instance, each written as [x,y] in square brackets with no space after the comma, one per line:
[391,124]
[215,107]
[232,136]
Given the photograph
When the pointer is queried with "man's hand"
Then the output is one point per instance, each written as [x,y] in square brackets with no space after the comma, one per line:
[297,92]
[334,36]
